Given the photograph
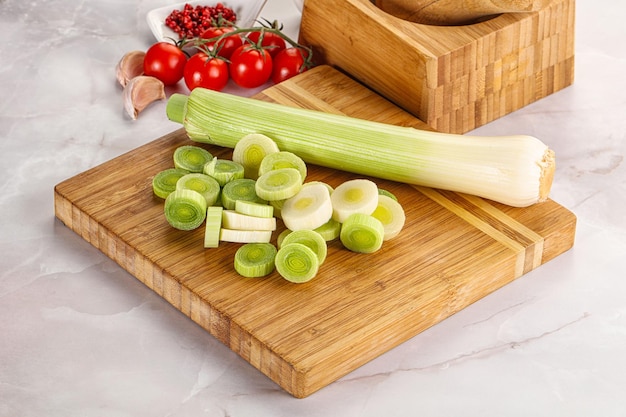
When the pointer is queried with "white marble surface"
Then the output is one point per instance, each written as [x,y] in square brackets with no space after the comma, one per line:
[81,337]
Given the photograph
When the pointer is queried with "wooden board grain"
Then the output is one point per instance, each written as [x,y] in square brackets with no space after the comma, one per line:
[454,250]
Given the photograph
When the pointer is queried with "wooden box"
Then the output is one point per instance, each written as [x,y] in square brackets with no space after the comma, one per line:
[454,78]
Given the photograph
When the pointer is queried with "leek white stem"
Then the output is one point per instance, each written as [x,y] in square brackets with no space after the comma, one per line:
[515,170]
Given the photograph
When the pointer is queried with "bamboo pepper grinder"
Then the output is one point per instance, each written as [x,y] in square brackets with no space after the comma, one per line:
[455,12]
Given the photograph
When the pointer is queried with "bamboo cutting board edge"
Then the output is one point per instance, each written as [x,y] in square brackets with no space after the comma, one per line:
[544,231]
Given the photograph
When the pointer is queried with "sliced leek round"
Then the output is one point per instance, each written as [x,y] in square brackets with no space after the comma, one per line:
[296,263]
[250,151]
[164,182]
[255,209]
[308,238]
[283,159]
[223,170]
[278,207]
[362,233]
[310,208]
[204,184]
[245,236]
[234,220]
[213,225]
[192,158]
[391,215]
[382,191]
[329,230]
[278,184]
[354,196]
[328,186]
[254,260]
[240,189]
[281,236]
[185,209]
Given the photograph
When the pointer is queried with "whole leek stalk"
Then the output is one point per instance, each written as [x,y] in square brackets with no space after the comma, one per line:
[516,170]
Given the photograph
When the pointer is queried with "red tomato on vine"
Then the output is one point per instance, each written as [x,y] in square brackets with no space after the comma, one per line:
[250,67]
[272,42]
[289,62]
[226,45]
[206,71]
[165,61]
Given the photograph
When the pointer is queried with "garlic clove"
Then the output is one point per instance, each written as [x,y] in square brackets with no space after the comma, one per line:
[130,66]
[140,92]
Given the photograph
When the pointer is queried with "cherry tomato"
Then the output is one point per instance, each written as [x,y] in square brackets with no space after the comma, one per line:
[226,45]
[204,71]
[271,41]
[165,61]
[250,67]
[287,63]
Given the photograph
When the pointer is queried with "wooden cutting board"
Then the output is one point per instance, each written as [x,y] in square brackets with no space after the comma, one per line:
[454,250]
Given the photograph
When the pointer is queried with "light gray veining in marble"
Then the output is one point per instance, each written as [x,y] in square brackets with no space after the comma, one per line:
[81,337]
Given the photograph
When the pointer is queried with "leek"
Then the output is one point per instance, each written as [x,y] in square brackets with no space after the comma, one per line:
[282,159]
[185,209]
[254,260]
[278,184]
[251,150]
[239,189]
[204,184]
[164,182]
[223,170]
[354,196]
[296,262]
[329,230]
[391,215]
[362,233]
[192,158]
[382,191]
[245,236]
[309,209]
[308,238]
[237,221]
[254,209]
[213,225]
[516,170]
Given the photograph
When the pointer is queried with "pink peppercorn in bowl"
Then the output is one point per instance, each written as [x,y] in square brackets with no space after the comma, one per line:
[247,12]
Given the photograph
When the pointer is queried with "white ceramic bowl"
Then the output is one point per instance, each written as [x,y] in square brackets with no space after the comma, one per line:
[247,13]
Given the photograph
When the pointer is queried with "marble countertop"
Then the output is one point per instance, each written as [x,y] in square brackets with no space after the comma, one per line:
[79,336]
